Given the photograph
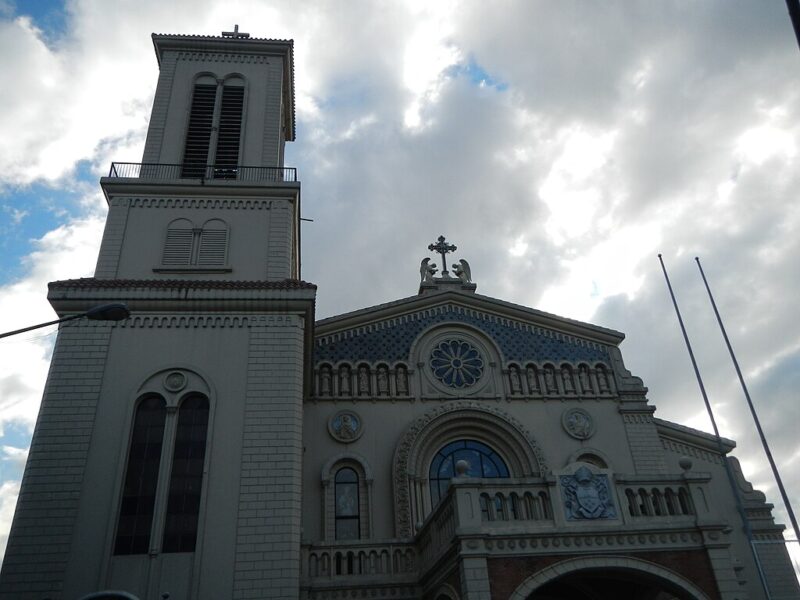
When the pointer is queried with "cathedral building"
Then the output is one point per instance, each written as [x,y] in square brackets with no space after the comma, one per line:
[222,444]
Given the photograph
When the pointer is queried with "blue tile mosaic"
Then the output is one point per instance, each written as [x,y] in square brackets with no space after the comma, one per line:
[391,341]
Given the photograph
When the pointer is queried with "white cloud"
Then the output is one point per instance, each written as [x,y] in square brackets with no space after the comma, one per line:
[621,134]
[66,252]
[9,492]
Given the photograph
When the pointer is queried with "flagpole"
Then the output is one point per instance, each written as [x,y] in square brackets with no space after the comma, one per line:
[750,405]
[721,449]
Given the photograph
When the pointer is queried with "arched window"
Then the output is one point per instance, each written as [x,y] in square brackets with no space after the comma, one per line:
[213,246]
[186,478]
[481,461]
[143,497]
[213,134]
[198,133]
[592,459]
[179,245]
[187,246]
[347,498]
[141,477]
[229,129]
[347,515]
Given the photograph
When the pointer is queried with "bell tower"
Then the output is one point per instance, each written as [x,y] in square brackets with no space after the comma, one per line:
[166,457]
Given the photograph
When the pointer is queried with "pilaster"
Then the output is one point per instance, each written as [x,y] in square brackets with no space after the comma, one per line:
[269,510]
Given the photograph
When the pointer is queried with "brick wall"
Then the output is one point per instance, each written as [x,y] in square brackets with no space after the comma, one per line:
[41,534]
[113,234]
[268,530]
[158,117]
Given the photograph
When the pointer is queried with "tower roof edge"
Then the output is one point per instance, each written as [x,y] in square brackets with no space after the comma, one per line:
[236,45]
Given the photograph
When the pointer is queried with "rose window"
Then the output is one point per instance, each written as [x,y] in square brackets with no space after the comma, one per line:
[456,363]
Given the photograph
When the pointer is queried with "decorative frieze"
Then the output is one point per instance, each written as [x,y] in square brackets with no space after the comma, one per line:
[207,203]
[223,57]
[391,339]
[205,321]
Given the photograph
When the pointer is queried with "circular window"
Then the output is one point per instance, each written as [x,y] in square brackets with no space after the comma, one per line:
[456,363]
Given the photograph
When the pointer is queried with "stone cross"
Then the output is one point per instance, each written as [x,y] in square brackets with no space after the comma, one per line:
[235,33]
[442,248]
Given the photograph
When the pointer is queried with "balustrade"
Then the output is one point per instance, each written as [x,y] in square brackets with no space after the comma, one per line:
[359,559]
[661,501]
[160,171]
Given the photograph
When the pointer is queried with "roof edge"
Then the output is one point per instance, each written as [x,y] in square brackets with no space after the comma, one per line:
[707,441]
[283,48]
[362,316]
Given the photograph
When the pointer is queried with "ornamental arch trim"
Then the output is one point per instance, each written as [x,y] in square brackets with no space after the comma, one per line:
[175,383]
[446,423]
[486,351]
[622,563]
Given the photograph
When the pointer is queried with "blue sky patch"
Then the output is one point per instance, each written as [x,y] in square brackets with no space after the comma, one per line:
[477,75]
[29,212]
[48,15]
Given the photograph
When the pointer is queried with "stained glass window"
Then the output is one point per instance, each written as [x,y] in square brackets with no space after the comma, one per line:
[186,478]
[141,478]
[347,509]
[481,461]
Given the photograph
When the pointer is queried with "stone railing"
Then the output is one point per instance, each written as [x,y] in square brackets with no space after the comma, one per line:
[647,500]
[529,509]
[359,559]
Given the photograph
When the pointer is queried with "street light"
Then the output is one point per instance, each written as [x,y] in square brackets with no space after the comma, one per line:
[104,312]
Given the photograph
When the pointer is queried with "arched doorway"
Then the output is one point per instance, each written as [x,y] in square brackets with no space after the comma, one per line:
[608,585]
[607,578]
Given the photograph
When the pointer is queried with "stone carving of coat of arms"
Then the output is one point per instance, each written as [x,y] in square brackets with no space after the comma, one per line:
[587,496]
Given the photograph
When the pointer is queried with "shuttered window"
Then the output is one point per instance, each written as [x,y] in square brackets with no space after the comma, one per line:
[179,244]
[213,244]
[198,133]
[187,246]
[229,133]
[214,126]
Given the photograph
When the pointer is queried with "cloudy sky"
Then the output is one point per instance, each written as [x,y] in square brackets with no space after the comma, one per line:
[560,145]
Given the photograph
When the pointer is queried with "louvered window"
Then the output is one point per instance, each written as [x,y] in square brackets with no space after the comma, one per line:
[178,247]
[230,127]
[187,246]
[198,134]
[214,132]
[213,244]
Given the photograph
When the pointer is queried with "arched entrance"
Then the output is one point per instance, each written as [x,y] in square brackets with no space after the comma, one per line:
[607,578]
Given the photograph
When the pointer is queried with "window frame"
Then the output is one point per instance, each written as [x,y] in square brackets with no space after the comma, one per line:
[172,406]
[362,469]
[437,493]
[199,243]
[210,169]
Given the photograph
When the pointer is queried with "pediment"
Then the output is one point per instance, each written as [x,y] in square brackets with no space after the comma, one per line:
[387,332]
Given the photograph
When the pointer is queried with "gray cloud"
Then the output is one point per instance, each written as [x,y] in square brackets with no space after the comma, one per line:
[702,158]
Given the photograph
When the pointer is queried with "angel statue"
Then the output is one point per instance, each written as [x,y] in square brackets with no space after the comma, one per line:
[426,271]
[462,271]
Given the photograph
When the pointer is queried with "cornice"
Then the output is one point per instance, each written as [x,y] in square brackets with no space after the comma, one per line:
[692,437]
[408,307]
[198,190]
[159,295]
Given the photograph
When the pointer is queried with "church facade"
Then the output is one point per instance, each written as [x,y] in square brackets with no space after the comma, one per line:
[222,444]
